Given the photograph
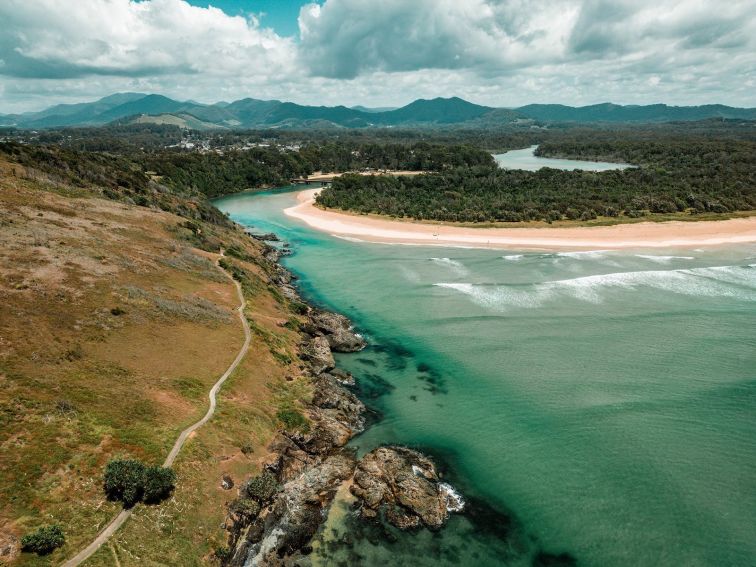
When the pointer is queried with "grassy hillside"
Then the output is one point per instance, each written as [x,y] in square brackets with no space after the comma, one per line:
[114,322]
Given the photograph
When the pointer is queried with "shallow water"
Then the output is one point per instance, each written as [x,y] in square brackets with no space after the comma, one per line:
[525,159]
[599,404]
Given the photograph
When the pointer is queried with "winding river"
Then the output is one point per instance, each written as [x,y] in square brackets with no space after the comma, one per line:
[596,406]
[527,160]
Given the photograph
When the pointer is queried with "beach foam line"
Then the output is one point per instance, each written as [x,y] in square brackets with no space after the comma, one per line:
[663,259]
[738,282]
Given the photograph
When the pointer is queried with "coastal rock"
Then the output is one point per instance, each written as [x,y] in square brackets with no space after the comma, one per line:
[290,522]
[338,331]
[405,483]
[328,431]
[287,459]
[265,237]
[289,292]
[227,483]
[343,377]
[329,394]
[317,352]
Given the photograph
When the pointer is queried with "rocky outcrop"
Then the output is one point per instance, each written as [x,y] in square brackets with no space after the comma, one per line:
[338,330]
[264,237]
[331,396]
[317,352]
[309,464]
[405,484]
[286,526]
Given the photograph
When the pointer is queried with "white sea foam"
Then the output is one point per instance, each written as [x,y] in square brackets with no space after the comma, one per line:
[514,257]
[349,238]
[454,500]
[738,282]
[604,257]
[457,267]
[409,275]
[663,259]
[584,255]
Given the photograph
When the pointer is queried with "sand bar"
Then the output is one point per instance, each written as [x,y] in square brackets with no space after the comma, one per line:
[637,235]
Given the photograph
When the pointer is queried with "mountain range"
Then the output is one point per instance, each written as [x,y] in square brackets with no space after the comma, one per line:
[253,113]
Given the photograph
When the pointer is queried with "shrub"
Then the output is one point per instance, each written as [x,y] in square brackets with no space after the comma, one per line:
[293,419]
[124,481]
[131,481]
[245,508]
[45,540]
[261,487]
[223,554]
[158,483]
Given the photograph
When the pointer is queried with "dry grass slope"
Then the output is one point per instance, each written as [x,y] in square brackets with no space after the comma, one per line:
[112,330]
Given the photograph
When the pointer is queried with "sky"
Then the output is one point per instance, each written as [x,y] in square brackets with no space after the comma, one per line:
[503,53]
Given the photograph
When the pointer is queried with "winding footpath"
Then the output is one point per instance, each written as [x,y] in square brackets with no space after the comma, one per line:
[124,515]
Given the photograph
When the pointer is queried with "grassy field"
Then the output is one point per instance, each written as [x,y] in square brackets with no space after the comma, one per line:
[112,330]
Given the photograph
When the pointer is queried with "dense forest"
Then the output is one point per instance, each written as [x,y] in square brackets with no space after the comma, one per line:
[702,167]
[675,175]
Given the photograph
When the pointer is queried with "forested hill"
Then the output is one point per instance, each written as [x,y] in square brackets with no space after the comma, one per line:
[608,112]
[155,178]
[137,108]
[676,177]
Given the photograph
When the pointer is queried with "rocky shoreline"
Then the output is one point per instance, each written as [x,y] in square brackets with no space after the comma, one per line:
[277,513]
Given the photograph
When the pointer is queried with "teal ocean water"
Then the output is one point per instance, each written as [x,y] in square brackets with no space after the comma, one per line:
[595,406]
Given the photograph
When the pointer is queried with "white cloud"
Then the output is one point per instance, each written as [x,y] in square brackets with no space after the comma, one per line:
[345,38]
[383,52]
[50,39]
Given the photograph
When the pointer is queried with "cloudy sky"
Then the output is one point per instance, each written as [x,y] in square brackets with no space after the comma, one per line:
[380,52]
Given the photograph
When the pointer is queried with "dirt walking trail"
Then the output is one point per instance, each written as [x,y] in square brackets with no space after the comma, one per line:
[124,515]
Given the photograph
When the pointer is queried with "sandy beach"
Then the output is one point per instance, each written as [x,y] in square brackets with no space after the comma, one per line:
[637,235]
[319,176]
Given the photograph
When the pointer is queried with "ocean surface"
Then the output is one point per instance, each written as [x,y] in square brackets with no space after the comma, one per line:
[525,159]
[594,408]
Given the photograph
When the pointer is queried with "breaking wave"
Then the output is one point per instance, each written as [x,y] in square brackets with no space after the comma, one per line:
[663,259]
[738,282]
[454,500]
[457,267]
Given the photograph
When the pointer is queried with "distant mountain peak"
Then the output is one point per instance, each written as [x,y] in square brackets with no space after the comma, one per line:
[254,113]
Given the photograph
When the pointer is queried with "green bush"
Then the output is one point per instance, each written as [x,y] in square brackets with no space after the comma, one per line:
[261,487]
[245,507]
[124,481]
[158,483]
[45,540]
[131,481]
[293,420]
[223,554]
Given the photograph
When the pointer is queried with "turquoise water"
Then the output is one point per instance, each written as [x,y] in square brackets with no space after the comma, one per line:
[597,404]
[525,159]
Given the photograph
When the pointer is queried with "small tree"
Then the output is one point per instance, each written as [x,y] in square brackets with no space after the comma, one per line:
[45,540]
[124,481]
[131,481]
[262,487]
[158,483]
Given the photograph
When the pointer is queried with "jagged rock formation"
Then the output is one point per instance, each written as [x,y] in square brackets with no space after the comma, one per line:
[274,528]
[404,483]
[338,330]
